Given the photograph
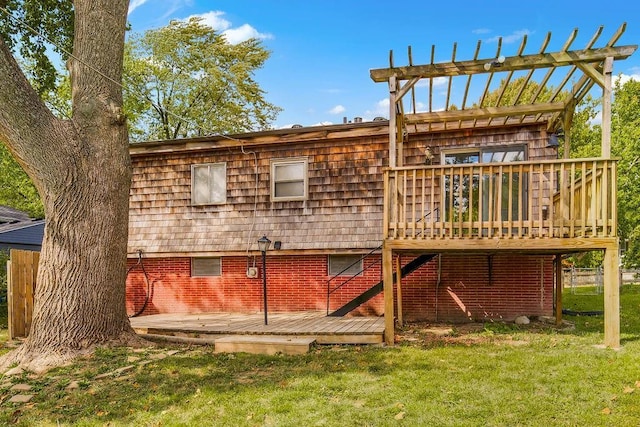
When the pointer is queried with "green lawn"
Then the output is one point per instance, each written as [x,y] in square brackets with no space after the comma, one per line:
[491,375]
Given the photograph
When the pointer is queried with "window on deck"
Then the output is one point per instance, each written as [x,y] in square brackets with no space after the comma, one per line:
[464,187]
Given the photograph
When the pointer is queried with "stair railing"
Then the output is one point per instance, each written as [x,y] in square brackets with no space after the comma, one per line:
[330,291]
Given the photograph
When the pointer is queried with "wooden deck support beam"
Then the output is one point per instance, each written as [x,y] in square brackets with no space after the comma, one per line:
[559,287]
[387,287]
[399,289]
[611,297]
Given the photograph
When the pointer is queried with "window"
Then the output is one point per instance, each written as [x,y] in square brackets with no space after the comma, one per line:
[209,184]
[205,267]
[345,265]
[466,187]
[289,179]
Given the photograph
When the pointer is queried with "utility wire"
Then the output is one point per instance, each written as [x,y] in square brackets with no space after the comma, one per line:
[37,33]
[208,132]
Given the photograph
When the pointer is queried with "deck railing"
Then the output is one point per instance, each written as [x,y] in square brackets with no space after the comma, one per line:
[542,199]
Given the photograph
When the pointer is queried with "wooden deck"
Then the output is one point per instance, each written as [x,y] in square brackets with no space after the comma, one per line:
[325,330]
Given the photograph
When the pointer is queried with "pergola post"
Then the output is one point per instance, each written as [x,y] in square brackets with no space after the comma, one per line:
[606,108]
[393,87]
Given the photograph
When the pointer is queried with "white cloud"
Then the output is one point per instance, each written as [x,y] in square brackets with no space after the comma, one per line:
[438,81]
[623,78]
[338,109]
[165,7]
[481,31]
[511,38]
[381,109]
[215,19]
[135,4]
[244,32]
[324,123]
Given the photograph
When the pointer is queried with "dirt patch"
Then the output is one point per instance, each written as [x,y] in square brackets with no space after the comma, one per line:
[427,333]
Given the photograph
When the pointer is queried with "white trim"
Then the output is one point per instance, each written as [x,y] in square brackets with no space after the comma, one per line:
[305,179]
[223,166]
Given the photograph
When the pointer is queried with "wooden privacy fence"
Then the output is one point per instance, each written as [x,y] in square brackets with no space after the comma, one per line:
[22,269]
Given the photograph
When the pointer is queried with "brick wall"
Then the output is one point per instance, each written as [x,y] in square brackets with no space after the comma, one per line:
[466,289]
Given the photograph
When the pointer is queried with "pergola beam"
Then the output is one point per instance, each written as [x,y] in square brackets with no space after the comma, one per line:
[485,113]
[514,63]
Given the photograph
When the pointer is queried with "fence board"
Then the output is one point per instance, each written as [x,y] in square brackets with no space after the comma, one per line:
[21,283]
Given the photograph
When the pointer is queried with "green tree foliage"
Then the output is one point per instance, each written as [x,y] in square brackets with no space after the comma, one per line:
[625,145]
[16,188]
[517,92]
[186,80]
[53,18]
[586,142]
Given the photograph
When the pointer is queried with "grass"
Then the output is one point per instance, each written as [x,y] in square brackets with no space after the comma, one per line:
[487,375]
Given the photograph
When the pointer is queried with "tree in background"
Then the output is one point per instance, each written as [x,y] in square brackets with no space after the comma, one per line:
[81,168]
[186,80]
[16,188]
[625,137]
[586,140]
[53,18]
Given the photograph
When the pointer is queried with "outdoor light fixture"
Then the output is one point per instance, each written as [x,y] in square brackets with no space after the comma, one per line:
[554,138]
[495,63]
[263,246]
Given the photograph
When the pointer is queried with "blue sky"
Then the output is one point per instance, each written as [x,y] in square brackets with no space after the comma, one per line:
[322,50]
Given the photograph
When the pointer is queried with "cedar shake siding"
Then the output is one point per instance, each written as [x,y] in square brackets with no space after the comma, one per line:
[341,212]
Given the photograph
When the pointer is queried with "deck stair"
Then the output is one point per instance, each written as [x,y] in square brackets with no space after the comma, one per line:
[409,268]
[264,344]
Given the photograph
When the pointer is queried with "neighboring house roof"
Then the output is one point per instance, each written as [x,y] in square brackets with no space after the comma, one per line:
[8,214]
[19,231]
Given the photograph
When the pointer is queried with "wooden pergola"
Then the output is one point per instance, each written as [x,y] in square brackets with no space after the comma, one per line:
[573,72]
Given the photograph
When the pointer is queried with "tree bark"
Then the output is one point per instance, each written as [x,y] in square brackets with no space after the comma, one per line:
[82,170]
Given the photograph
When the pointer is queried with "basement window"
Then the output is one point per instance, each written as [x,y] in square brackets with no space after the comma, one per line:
[209,184]
[289,179]
[206,267]
[345,265]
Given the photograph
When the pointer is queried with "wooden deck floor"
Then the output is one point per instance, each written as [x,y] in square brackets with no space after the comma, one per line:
[326,330]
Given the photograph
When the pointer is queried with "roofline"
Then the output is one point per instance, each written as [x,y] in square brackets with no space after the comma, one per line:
[22,225]
[267,137]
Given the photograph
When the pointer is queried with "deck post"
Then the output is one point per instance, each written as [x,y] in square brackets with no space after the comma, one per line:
[399,289]
[611,297]
[387,273]
[559,288]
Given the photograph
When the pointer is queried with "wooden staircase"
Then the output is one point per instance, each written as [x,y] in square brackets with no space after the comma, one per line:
[409,268]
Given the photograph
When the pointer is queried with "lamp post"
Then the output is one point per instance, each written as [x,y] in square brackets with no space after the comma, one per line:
[263,246]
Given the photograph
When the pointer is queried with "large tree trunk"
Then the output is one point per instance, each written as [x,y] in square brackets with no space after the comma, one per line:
[82,170]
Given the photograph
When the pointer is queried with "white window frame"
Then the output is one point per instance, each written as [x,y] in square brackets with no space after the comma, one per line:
[221,201]
[195,269]
[480,152]
[305,179]
[358,265]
